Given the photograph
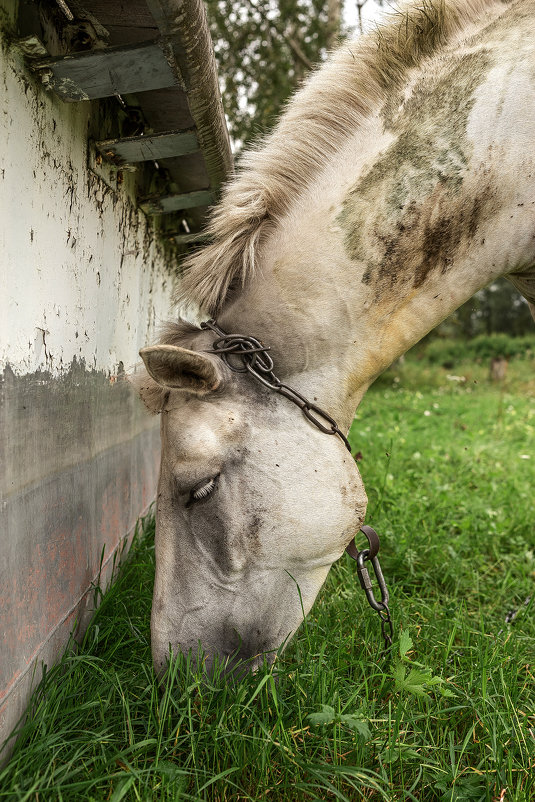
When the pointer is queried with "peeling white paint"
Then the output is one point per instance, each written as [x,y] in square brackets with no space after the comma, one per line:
[83,277]
[69,88]
[82,274]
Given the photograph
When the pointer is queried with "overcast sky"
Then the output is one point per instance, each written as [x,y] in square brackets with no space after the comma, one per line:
[371,12]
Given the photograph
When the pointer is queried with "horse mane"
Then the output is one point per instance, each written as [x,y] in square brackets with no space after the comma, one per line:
[320,117]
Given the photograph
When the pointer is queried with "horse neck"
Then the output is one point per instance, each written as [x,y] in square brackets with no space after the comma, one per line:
[331,331]
[399,229]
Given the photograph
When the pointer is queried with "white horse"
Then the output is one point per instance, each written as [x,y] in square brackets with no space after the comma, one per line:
[399,181]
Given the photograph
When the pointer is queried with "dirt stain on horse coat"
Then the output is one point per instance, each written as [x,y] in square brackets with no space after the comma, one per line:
[409,215]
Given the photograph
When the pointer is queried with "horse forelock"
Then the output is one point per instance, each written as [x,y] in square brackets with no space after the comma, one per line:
[326,111]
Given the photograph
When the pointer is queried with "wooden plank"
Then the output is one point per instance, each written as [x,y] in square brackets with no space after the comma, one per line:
[127,35]
[149,148]
[166,109]
[131,13]
[113,70]
[174,203]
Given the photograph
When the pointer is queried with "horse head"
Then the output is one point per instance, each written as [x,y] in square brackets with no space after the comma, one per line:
[254,505]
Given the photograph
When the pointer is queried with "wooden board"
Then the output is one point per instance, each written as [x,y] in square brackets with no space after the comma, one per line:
[111,71]
[149,148]
[175,203]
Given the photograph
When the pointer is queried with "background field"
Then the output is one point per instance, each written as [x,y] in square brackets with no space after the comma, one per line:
[447,458]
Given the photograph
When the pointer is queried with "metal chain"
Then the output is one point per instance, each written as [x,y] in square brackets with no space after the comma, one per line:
[387,630]
[253,358]
[380,607]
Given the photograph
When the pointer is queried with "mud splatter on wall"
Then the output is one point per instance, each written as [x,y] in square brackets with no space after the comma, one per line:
[85,281]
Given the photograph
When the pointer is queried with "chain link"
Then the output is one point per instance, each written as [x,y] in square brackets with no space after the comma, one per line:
[387,630]
[380,607]
[253,358]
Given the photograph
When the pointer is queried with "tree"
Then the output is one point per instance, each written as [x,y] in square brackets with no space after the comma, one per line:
[265,48]
[497,308]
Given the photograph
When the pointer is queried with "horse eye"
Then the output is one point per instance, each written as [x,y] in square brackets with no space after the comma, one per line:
[203,489]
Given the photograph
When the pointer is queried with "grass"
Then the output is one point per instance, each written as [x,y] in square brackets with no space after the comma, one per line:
[450,471]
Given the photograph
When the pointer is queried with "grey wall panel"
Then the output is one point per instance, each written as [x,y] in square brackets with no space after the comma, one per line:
[80,458]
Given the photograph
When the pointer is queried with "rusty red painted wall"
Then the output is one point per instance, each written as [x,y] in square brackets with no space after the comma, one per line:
[83,464]
[85,279]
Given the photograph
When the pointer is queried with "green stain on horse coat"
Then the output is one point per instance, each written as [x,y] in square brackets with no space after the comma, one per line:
[408,215]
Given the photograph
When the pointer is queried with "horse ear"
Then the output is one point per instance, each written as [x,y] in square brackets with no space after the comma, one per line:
[177,368]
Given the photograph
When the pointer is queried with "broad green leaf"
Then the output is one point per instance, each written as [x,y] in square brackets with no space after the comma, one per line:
[326,716]
[464,789]
[394,753]
[405,643]
[414,682]
[357,724]
[418,681]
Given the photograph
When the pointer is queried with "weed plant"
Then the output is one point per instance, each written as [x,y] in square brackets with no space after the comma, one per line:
[449,469]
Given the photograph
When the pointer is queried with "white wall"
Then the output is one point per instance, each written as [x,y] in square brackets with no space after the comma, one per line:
[82,275]
[84,283]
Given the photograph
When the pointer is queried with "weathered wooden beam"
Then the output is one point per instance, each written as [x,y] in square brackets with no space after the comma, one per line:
[149,148]
[111,71]
[174,203]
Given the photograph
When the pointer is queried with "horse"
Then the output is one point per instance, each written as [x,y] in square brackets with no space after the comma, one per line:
[399,181]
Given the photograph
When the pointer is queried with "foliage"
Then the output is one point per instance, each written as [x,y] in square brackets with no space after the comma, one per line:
[499,307]
[482,348]
[449,477]
[264,49]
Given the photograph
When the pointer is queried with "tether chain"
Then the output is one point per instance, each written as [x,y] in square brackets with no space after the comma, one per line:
[255,359]
[380,607]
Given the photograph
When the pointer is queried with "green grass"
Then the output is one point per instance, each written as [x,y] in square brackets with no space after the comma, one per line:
[451,718]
